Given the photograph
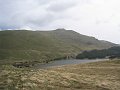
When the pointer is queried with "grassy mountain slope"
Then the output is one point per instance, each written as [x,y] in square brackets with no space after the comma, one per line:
[45,45]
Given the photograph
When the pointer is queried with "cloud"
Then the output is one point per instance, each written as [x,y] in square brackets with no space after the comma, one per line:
[99,18]
[32,13]
[18,13]
[61,5]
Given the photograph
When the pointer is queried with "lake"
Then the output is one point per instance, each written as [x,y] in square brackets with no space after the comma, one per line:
[66,62]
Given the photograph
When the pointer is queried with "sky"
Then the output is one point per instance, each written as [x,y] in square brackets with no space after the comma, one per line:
[98,18]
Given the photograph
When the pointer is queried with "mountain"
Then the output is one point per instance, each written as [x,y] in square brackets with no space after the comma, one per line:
[45,45]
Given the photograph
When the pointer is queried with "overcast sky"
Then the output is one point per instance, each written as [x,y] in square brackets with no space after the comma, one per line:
[98,18]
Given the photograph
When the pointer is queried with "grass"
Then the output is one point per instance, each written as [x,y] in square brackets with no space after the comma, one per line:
[103,75]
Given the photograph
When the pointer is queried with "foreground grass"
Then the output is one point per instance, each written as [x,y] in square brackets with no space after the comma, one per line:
[104,75]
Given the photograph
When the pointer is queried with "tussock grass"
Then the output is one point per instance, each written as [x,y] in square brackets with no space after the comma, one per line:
[103,75]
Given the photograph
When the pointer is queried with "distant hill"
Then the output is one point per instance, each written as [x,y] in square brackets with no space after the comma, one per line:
[45,45]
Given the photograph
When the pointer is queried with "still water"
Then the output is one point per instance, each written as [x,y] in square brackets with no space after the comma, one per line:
[66,62]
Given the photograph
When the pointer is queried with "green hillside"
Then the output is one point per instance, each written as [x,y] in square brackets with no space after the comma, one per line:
[45,45]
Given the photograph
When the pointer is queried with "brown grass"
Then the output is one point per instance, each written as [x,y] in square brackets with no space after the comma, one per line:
[104,75]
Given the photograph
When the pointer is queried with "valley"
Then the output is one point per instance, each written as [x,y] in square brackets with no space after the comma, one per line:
[55,54]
